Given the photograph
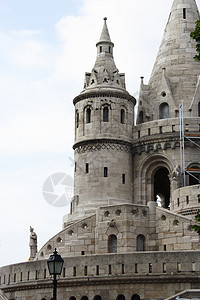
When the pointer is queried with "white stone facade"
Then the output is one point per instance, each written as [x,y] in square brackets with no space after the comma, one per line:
[129,233]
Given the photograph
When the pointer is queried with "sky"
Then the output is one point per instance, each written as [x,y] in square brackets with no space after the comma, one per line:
[46,48]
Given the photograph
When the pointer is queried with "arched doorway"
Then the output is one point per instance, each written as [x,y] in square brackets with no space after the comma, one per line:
[140,242]
[162,187]
[72,298]
[120,297]
[135,297]
[112,244]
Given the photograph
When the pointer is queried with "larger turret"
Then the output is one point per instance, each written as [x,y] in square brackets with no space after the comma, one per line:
[175,73]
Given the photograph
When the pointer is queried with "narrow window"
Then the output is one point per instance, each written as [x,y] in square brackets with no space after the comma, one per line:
[179,267]
[105,172]
[160,128]
[85,271]
[164,268]
[178,201]
[64,272]
[105,114]
[28,275]
[187,199]
[100,49]
[165,247]
[149,131]
[87,168]
[150,268]
[136,268]
[199,109]
[122,116]
[77,119]
[109,269]
[36,274]
[140,241]
[109,49]
[173,128]
[88,115]
[45,273]
[9,279]
[122,268]
[123,178]
[75,167]
[193,267]
[74,271]
[141,117]
[21,276]
[97,270]
[184,13]
[112,243]
[82,252]
[138,134]
[15,277]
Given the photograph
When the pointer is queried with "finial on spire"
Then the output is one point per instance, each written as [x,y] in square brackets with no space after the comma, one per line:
[105,19]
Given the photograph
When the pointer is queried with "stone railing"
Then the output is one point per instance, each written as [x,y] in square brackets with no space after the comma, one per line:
[128,265]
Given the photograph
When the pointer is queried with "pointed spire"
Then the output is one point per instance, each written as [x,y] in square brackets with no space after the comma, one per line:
[105,37]
[105,72]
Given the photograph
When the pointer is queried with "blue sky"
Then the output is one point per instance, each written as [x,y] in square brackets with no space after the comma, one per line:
[46,47]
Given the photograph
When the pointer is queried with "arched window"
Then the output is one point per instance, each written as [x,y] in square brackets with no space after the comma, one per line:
[135,297]
[88,115]
[122,116]
[140,242]
[72,298]
[105,114]
[120,297]
[193,175]
[199,109]
[84,298]
[164,110]
[97,297]
[77,119]
[141,117]
[112,244]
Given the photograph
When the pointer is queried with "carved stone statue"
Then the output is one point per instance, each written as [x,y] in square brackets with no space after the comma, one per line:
[33,243]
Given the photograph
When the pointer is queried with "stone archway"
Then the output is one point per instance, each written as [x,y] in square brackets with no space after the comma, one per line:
[153,166]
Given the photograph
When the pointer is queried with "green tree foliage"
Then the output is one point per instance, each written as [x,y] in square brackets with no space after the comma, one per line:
[196,36]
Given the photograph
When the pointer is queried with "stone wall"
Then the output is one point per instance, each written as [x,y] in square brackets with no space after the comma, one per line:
[151,275]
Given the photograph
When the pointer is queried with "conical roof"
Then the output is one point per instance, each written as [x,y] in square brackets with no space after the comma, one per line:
[104,73]
[105,37]
[176,54]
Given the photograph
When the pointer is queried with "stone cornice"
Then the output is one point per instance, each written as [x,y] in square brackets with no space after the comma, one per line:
[105,92]
[103,280]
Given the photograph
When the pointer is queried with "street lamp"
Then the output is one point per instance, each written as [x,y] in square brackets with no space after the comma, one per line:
[55,264]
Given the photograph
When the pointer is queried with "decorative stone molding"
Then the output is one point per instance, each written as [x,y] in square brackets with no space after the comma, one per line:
[96,145]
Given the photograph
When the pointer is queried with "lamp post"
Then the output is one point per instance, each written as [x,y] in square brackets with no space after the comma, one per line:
[55,264]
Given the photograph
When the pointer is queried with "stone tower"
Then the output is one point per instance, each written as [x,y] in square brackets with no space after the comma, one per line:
[175,74]
[104,117]
[156,138]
